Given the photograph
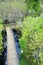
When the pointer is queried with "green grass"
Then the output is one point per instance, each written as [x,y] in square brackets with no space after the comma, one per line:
[23,61]
[1,26]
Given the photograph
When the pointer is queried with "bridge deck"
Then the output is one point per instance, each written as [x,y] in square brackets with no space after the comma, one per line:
[12,57]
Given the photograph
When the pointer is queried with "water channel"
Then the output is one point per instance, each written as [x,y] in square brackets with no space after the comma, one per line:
[3,58]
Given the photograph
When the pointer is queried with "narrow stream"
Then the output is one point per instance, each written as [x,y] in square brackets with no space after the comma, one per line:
[3,58]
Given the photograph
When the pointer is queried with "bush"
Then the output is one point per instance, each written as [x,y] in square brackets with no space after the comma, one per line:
[1,21]
[32,40]
[12,11]
[1,45]
[33,7]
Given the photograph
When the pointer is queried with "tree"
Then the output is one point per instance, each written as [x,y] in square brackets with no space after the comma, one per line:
[33,7]
[14,10]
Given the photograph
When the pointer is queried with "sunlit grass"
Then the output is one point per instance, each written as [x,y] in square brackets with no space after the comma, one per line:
[1,26]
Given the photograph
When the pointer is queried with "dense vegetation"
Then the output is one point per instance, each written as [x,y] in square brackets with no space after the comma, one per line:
[33,7]
[17,9]
[13,11]
[32,40]
[1,44]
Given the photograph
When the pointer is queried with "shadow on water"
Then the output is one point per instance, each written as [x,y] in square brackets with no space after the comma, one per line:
[17,43]
[3,58]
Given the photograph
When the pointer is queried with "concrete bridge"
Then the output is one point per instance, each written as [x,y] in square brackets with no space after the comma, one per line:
[12,57]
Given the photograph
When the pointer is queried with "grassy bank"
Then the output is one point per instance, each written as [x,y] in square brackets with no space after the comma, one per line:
[23,61]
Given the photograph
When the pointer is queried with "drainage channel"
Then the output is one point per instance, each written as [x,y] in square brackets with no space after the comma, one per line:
[4,55]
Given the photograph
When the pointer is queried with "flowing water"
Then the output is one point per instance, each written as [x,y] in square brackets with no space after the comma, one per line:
[3,58]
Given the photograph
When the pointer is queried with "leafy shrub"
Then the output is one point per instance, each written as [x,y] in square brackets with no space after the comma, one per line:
[13,11]
[1,21]
[1,45]
[32,40]
[33,6]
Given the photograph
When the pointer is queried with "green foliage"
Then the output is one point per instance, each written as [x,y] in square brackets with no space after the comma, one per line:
[1,45]
[13,11]
[32,40]
[1,21]
[1,26]
[33,7]
[23,62]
